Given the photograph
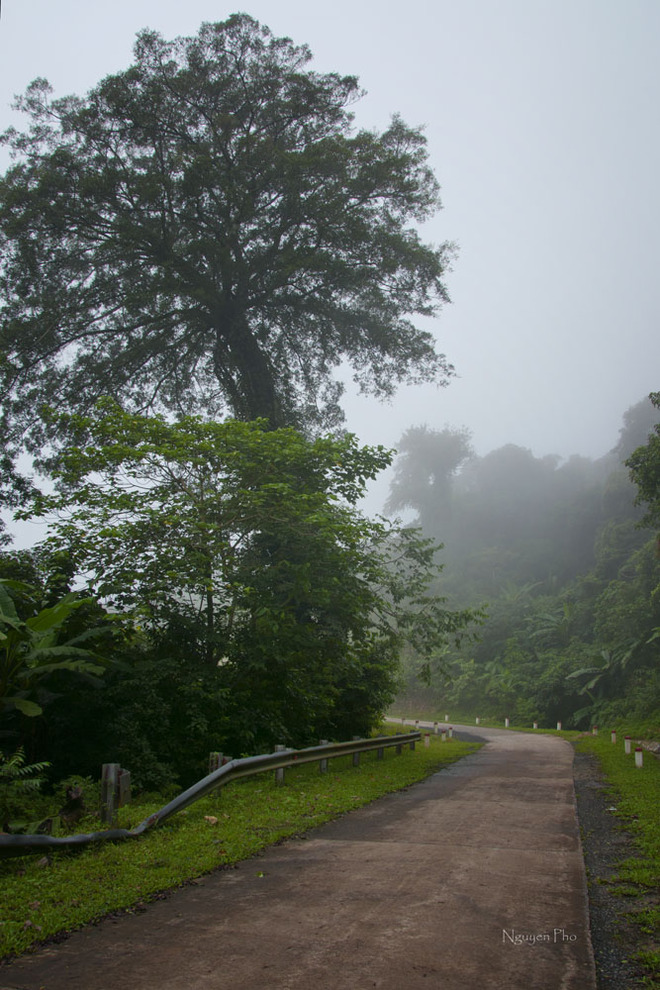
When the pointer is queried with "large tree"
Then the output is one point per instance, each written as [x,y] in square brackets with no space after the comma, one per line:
[206,230]
[427,463]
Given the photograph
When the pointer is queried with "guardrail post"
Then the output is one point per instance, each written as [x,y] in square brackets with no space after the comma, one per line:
[124,795]
[399,747]
[412,744]
[380,753]
[356,756]
[109,791]
[279,773]
[323,764]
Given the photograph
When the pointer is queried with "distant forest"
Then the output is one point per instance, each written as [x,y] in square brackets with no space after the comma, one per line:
[567,574]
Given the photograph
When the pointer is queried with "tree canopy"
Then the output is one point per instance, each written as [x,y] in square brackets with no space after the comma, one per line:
[206,230]
[242,548]
[644,465]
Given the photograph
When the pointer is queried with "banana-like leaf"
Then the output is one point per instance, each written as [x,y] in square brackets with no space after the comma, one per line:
[30,708]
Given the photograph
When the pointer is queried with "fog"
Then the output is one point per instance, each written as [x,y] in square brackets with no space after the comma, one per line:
[540,119]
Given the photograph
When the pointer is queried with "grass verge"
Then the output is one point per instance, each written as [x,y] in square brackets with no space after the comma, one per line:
[635,793]
[47,897]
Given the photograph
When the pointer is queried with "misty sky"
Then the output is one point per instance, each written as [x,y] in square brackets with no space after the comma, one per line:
[541,117]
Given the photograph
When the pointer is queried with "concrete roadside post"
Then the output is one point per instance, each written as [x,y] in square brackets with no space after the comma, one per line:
[279,773]
[323,763]
[124,788]
[109,791]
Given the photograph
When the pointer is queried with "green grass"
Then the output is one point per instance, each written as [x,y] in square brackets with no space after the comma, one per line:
[74,888]
[635,792]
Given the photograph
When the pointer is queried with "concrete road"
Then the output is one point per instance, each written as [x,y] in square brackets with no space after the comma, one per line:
[471,880]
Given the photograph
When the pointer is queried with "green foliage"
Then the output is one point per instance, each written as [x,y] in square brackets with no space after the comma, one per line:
[644,465]
[18,783]
[240,554]
[204,231]
[33,649]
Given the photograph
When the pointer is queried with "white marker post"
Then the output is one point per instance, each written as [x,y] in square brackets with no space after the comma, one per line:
[279,773]
[427,740]
[558,726]
[444,735]
[451,731]
[323,763]
[435,728]
[639,757]
[536,725]
[506,723]
[627,744]
[613,735]
[594,731]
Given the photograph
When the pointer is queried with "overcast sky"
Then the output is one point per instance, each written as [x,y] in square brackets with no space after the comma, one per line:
[541,117]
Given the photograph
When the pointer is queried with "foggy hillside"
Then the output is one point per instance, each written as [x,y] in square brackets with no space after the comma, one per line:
[555,552]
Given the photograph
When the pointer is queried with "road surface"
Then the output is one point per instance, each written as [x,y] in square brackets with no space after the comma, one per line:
[470,880]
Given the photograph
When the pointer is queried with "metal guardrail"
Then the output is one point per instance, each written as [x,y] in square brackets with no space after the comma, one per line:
[21,845]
